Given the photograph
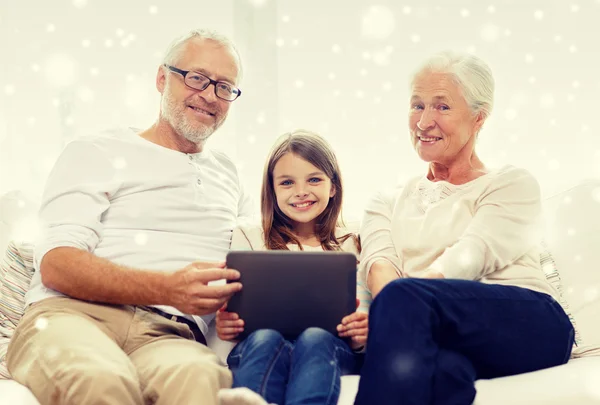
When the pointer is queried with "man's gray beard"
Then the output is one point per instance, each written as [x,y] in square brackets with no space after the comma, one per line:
[175,116]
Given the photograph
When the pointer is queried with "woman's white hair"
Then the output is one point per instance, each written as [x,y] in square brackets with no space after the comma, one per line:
[470,73]
[173,52]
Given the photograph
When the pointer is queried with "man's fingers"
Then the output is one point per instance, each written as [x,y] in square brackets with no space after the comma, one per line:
[213,274]
[209,265]
[219,291]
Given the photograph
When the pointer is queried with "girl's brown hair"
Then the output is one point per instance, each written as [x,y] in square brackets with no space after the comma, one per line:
[277,227]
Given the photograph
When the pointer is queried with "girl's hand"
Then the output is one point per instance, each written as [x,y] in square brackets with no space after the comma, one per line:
[356,327]
[229,324]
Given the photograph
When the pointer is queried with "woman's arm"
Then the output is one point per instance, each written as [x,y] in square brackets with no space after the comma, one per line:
[379,261]
[505,226]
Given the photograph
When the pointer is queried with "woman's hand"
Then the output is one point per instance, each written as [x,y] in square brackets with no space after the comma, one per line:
[432,274]
[356,327]
[382,273]
[229,324]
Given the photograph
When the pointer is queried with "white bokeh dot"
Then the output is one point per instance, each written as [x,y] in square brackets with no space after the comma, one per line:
[553,165]
[360,94]
[80,3]
[547,101]
[108,43]
[335,48]
[261,118]
[570,98]
[574,8]
[331,76]
[406,10]
[295,42]
[471,49]
[572,49]
[251,139]
[299,84]
[415,38]
[378,22]
[50,27]
[153,9]
[571,232]
[575,84]
[507,32]
[85,94]
[538,15]
[532,80]
[285,18]
[510,114]
[86,43]
[141,238]
[366,55]
[9,89]
[119,32]
[596,194]
[119,163]
[381,58]
[557,38]
[257,3]
[279,42]
[364,72]
[465,13]
[387,86]
[590,294]
[61,70]
[529,58]
[35,67]
[94,71]
[490,32]
[577,258]
[41,323]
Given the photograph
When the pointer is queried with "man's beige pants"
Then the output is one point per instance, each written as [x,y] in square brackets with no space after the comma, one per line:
[71,352]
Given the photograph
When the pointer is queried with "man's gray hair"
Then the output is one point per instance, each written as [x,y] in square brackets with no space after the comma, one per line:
[173,52]
[470,73]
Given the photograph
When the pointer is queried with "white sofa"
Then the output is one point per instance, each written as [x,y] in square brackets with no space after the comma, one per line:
[573,236]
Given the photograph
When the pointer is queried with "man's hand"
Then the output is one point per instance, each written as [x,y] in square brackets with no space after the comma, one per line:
[229,324]
[188,289]
[356,327]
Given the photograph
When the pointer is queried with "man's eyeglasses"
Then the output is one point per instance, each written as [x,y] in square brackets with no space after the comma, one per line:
[198,81]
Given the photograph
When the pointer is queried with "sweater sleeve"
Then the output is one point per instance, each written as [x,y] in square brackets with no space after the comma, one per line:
[505,226]
[363,295]
[76,195]
[376,234]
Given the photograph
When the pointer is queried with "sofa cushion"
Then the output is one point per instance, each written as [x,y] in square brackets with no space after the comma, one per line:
[553,276]
[16,270]
[573,226]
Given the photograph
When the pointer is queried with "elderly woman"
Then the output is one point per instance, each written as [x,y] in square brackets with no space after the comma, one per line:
[452,258]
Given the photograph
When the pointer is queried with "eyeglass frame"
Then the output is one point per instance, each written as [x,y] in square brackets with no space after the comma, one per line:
[184,73]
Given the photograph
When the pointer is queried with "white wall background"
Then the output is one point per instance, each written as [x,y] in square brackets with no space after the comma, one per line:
[72,67]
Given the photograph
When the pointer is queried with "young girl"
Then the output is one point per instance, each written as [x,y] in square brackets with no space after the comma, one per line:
[301,202]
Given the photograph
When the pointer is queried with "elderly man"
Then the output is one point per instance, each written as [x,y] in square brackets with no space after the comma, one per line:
[119,302]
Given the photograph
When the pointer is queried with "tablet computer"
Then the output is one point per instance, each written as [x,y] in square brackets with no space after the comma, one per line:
[292,291]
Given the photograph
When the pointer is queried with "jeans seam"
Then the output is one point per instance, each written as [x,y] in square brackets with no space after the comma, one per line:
[335,375]
[270,369]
